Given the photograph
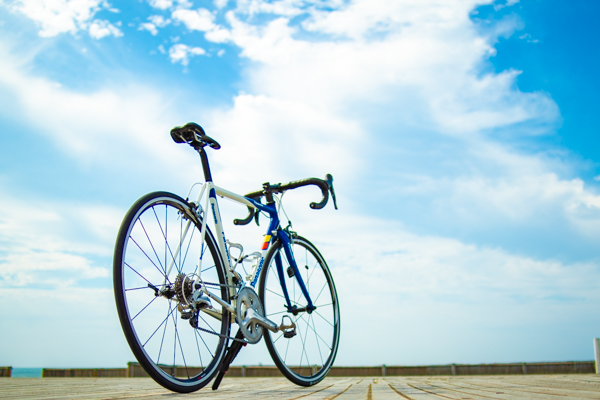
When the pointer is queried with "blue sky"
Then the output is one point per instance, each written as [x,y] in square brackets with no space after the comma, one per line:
[461,135]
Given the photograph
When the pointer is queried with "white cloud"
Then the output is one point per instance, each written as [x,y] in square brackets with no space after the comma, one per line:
[101,28]
[161,4]
[198,20]
[47,247]
[202,20]
[67,16]
[156,21]
[181,53]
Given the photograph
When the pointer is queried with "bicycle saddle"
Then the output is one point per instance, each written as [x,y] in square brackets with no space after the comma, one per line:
[193,134]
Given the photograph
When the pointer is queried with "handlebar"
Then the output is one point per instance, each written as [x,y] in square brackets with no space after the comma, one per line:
[326,186]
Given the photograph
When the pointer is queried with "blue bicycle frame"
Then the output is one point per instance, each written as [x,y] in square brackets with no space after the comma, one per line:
[276,233]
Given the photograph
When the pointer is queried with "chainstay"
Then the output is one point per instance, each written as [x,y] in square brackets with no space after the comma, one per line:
[219,284]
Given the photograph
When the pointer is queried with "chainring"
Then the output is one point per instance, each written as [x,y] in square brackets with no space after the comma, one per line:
[248,299]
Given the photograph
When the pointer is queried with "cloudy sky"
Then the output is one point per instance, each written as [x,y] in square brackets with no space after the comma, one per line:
[461,135]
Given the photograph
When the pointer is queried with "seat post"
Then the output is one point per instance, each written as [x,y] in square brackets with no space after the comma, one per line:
[205,167]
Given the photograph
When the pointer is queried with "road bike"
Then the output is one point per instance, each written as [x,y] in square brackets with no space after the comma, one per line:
[179,287]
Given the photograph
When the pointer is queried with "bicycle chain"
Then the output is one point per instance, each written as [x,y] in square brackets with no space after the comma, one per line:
[221,335]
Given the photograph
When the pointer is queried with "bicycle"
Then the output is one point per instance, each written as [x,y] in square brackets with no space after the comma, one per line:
[178,292]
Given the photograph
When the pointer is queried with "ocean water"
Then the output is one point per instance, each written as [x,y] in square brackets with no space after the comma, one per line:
[26,372]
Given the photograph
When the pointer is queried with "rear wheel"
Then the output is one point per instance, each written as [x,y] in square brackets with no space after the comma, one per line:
[305,358]
[171,350]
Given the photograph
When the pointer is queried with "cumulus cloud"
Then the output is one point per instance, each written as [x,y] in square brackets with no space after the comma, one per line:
[181,53]
[161,4]
[68,16]
[199,20]
[202,20]
[155,22]
[41,247]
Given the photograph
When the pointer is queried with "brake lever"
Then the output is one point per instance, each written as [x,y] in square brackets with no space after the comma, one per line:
[329,181]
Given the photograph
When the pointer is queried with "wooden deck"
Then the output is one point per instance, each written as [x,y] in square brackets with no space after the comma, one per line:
[582,386]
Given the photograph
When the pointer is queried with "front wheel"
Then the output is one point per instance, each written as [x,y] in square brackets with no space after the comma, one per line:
[305,358]
[159,248]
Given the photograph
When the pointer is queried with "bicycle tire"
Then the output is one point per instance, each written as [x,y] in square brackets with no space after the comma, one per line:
[146,317]
[291,355]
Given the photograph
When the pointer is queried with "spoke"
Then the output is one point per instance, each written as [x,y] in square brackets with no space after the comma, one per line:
[278,337]
[138,288]
[314,268]
[165,233]
[317,338]
[278,312]
[164,332]
[187,372]
[323,288]
[151,245]
[151,301]
[276,294]
[164,320]
[304,343]
[174,343]
[178,341]
[189,243]
[208,268]
[158,269]
[303,352]
[140,275]
[201,338]
[286,350]
[180,243]
[324,319]
[323,340]
[196,334]
[324,305]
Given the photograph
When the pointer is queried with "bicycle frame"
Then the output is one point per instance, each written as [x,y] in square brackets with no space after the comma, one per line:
[273,233]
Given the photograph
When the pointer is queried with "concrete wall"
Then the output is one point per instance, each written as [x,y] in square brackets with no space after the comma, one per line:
[570,367]
[135,370]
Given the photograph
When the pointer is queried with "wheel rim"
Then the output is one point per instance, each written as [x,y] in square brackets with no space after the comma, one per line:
[310,353]
[160,339]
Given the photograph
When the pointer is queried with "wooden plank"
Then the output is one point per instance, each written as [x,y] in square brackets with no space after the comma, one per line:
[372,388]
[518,387]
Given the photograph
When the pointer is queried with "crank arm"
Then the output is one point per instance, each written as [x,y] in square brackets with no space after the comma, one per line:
[253,317]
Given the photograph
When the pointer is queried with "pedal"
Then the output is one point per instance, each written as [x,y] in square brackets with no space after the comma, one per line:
[289,330]
[289,334]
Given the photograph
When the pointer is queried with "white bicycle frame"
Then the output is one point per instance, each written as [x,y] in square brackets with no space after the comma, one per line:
[211,203]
